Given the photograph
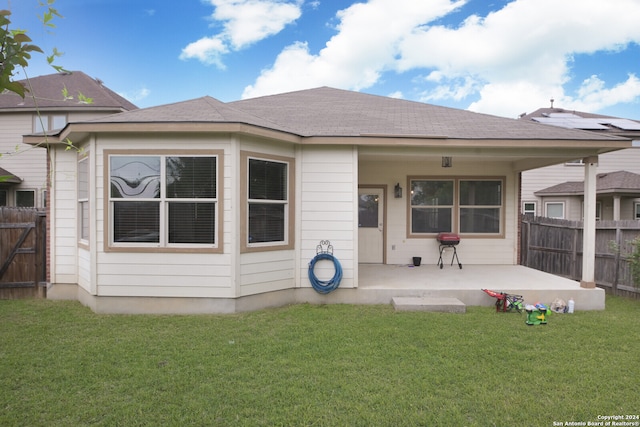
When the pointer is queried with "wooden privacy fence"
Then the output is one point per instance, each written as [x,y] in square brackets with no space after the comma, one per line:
[555,246]
[22,253]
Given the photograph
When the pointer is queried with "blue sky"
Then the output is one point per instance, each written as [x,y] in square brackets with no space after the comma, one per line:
[492,56]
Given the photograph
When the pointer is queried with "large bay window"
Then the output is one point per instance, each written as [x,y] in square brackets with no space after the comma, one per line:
[458,205]
[164,200]
[267,212]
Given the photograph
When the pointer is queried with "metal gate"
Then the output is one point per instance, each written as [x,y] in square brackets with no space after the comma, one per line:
[22,253]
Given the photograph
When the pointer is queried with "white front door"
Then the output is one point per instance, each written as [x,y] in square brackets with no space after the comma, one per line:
[370,225]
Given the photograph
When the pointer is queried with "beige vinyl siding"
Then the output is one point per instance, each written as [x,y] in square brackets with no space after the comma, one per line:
[64,256]
[27,162]
[268,270]
[164,275]
[84,269]
[161,274]
[328,210]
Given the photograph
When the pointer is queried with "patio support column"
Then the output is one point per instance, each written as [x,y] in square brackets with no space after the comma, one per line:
[589,224]
[616,208]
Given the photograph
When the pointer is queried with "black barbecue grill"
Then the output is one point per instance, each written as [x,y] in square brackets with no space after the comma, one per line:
[448,240]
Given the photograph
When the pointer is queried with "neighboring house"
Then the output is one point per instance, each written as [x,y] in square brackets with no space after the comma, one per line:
[50,103]
[535,183]
[205,206]
[618,197]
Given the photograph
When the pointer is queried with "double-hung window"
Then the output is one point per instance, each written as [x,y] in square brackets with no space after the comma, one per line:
[83,197]
[458,205]
[480,206]
[164,201]
[432,206]
[268,208]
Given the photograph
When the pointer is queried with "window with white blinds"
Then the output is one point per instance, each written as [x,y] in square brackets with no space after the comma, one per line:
[163,200]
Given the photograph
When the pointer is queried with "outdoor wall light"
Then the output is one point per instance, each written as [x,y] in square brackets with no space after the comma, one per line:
[397,191]
[447,161]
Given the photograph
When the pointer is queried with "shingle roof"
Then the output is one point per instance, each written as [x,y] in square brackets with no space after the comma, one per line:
[333,112]
[200,110]
[48,91]
[611,182]
[12,179]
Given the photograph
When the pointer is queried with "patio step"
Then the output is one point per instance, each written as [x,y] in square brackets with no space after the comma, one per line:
[446,305]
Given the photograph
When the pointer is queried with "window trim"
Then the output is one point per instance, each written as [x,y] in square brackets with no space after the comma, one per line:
[288,243]
[82,240]
[455,221]
[25,190]
[555,202]
[47,120]
[535,207]
[636,212]
[218,247]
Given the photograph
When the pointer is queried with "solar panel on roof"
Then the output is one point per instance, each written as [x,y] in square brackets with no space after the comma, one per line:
[586,124]
[574,122]
[623,124]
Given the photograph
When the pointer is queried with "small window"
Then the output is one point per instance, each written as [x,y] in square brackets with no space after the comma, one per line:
[83,197]
[267,201]
[3,198]
[529,208]
[47,122]
[554,210]
[26,198]
[267,183]
[637,210]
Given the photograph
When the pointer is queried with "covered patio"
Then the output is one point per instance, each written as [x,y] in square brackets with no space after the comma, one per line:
[379,283]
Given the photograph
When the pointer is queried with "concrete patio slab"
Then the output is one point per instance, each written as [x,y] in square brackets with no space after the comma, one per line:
[380,283]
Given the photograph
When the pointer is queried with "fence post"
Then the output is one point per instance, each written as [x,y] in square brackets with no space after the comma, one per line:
[614,285]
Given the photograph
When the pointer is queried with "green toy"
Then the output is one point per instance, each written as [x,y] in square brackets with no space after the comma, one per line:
[537,314]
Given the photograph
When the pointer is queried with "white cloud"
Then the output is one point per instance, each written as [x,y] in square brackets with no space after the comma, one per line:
[593,94]
[510,61]
[137,95]
[364,47]
[245,22]
[207,50]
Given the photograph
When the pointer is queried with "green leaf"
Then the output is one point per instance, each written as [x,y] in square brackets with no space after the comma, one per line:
[15,87]
[21,37]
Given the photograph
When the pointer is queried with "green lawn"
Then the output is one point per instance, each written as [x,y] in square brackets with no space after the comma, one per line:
[305,365]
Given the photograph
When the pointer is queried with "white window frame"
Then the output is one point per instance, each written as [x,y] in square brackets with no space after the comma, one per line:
[530,211]
[163,245]
[47,122]
[560,203]
[5,197]
[636,206]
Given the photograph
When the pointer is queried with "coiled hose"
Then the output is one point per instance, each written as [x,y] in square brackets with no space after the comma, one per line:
[325,286]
